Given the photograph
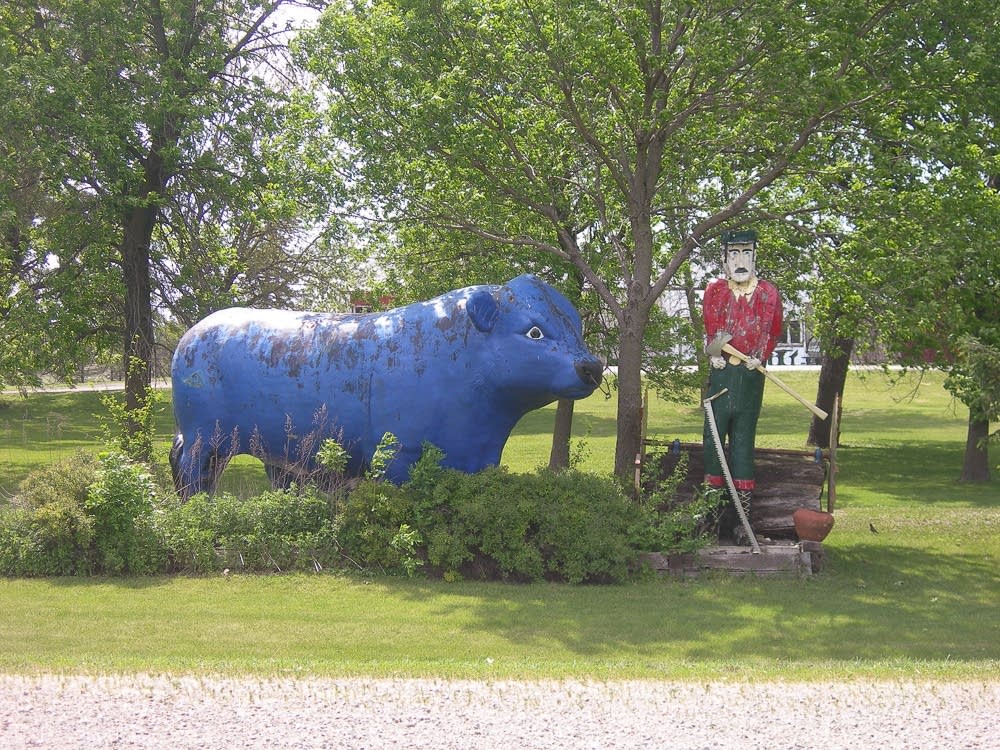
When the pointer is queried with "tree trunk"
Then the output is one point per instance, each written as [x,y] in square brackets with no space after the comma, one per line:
[629,399]
[138,333]
[976,466]
[832,377]
[559,456]
[563,428]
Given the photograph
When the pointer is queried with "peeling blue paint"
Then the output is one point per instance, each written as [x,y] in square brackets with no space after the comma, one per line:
[459,371]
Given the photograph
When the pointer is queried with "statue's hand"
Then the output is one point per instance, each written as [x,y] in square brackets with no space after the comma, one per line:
[752,363]
[719,363]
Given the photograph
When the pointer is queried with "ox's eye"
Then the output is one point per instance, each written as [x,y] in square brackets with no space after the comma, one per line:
[535,333]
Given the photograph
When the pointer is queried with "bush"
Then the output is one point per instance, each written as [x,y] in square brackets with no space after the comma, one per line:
[568,526]
[15,541]
[585,528]
[45,531]
[121,502]
[275,531]
[65,481]
[61,535]
[49,541]
[79,516]
[88,515]
[375,528]
[670,524]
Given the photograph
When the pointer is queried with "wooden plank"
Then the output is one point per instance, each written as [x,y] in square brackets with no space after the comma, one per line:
[771,560]
[817,555]
[774,559]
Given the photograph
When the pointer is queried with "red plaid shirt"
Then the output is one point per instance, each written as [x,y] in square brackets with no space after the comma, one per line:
[755,322]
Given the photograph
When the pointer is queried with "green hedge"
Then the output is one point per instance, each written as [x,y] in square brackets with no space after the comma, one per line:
[108,516]
[276,531]
[85,515]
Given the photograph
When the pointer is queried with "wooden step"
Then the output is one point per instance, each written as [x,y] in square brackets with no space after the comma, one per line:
[802,558]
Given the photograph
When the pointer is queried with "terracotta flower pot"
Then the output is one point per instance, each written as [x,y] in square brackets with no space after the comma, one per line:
[812,525]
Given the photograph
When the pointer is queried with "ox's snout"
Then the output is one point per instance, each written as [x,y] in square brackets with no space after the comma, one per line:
[590,371]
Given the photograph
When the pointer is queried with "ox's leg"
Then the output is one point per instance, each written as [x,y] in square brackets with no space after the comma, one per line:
[195,466]
[281,477]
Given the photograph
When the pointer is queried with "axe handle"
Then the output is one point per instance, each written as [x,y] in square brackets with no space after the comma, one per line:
[730,349]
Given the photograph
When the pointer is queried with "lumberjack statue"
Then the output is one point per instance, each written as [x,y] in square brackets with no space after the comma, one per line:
[743,320]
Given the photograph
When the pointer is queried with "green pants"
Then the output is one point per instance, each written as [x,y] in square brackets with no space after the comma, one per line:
[736,415]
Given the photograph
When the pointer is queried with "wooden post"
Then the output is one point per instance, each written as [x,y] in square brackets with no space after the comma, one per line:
[831,481]
[640,457]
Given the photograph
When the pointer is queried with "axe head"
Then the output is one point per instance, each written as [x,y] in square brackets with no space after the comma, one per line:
[714,348]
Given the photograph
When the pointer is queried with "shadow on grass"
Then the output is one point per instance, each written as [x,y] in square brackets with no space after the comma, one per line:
[125,583]
[875,604]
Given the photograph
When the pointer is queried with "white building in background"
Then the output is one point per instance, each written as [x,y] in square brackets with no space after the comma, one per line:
[797,345]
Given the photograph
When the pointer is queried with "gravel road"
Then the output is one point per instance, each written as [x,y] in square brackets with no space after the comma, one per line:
[149,711]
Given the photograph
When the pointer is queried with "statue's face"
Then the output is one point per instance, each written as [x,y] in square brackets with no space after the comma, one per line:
[739,263]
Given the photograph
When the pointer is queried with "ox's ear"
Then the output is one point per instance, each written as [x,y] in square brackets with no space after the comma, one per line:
[483,310]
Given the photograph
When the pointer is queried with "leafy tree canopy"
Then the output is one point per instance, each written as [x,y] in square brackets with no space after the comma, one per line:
[618,137]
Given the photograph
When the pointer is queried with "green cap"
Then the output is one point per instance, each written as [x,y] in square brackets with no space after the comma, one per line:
[734,237]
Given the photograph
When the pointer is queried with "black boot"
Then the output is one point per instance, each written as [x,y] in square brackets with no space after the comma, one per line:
[739,533]
[728,520]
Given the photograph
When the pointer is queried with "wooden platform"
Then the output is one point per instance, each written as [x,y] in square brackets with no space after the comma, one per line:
[801,558]
[786,480]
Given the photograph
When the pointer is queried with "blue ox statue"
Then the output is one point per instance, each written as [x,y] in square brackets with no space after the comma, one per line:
[457,371]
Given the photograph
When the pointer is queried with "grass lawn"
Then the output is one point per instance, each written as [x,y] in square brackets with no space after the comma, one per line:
[921,598]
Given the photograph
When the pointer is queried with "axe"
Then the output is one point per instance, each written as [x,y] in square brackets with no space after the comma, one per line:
[720,345]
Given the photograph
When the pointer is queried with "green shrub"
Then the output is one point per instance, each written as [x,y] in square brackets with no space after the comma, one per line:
[190,533]
[61,535]
[45,530]
[63,481]
[120,501]
[568,526]
[83,515]
[682,527]
[430,492]
[49,541]
[499,514]
[375,528]
[105,515]
[15,541]
[674,525]
[282,530]
[585,526]
[275,531]
[130,431]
